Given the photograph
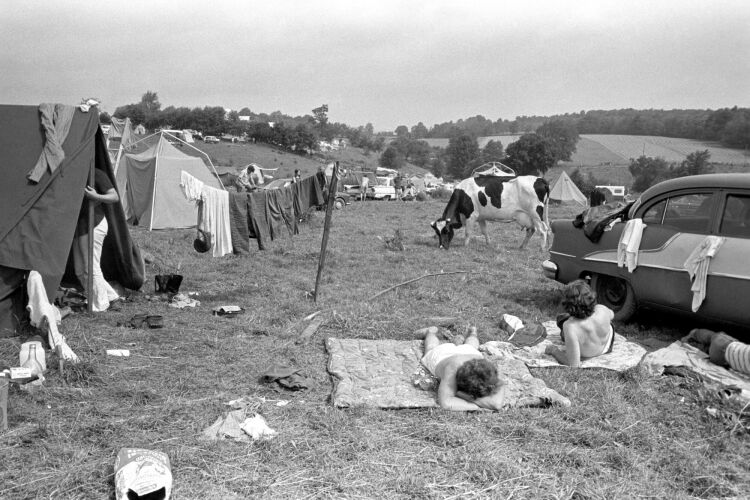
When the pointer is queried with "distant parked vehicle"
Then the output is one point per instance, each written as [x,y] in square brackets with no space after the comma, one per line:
[211,139]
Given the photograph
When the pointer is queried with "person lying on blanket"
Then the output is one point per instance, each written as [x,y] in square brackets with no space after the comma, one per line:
[722,349]
[467,380]
[585,328]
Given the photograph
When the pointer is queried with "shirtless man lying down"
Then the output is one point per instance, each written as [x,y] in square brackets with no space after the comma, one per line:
[467,381]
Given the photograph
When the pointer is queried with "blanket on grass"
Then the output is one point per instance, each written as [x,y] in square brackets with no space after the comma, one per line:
[624,354]
[388,374]
[679,353]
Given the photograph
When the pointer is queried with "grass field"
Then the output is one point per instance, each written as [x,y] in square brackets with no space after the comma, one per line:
[625,436]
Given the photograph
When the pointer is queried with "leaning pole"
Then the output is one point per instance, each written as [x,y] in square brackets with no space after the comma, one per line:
[326,228]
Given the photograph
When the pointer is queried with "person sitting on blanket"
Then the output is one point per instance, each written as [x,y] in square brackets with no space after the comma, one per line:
[467,380]
[585,328]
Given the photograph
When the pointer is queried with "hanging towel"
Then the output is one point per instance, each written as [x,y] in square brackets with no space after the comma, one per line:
[41,312]
[630,242]
[216,219]
[56,120]
[238,223]
[257,218]
[697,267]
[191,187]
[280,211]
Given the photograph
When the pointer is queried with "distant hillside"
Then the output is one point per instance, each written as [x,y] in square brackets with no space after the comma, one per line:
[600,149]
[227,156]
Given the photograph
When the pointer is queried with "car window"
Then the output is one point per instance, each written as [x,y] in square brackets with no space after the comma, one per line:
[655,213]
[735,221]
[690,213]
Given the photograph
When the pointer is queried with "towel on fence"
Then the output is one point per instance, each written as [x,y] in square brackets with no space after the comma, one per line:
[682,354]
[238,223]
[387,373]
[697,265]
[624,354]
[257,219]
[307,193]
[214,213]
[629,244]
[280,211]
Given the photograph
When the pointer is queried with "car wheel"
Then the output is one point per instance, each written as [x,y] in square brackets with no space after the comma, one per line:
[615,293]
[387,198]
[339,203]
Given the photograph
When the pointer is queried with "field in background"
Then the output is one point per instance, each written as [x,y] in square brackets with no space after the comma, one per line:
[625,435]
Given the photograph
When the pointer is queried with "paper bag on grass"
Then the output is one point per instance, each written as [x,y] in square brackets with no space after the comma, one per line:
[142,474]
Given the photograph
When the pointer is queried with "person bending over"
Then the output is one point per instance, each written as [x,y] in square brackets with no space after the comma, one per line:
[586,327]
[467,381]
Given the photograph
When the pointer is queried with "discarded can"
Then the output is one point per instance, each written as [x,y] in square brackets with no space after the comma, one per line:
[142,474]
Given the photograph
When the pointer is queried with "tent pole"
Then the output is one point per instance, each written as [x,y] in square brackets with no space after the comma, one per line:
[201,152]
[90,249]
[326,228]
[153,191]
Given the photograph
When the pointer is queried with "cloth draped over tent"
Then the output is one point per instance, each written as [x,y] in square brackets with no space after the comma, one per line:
[566,190]
[39,219]
[150,182]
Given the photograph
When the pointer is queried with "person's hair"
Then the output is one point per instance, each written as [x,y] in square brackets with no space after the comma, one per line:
[579,300]
[477,377]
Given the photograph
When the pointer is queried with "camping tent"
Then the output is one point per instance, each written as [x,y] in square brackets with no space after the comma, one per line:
[565,190]
[150,182]
[39,219]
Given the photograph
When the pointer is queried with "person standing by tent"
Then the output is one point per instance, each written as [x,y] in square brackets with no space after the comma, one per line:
[103,192]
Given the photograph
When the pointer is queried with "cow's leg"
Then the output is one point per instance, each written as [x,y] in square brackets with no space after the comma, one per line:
[467,230]
[483,228]
[529,234]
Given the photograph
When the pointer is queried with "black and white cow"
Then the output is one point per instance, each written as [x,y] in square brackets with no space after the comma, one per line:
[522,199]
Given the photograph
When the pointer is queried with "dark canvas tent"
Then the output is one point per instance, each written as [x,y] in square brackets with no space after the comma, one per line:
[150,182]
[39,219]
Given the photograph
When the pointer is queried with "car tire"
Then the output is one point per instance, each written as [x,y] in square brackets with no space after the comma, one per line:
[339,203]
[387,198]
[615,293]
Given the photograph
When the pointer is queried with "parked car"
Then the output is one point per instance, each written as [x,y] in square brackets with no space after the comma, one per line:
[383,189]
[342,199]
[211,139]
[679,214]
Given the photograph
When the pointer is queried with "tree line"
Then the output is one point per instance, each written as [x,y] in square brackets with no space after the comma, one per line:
[729,126]
[296,133]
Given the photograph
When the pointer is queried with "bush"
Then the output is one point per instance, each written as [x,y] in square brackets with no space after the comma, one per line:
[422,196]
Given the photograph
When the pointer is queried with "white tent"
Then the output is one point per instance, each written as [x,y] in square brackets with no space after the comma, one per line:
[149,184]
[494,168]
[565,190]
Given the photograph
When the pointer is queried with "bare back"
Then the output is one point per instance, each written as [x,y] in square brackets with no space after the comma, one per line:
[591,335]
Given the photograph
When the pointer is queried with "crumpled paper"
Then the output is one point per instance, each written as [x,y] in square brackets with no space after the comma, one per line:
[238,426]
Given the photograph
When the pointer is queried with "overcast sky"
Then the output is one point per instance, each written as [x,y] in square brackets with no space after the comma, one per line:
[389,63]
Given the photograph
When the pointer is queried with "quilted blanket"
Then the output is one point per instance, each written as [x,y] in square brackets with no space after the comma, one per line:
[624,354]
[388,374]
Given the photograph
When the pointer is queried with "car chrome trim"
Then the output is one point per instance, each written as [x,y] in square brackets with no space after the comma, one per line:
[562,254]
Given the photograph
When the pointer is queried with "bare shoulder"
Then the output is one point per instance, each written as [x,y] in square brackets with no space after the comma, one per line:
[604,311]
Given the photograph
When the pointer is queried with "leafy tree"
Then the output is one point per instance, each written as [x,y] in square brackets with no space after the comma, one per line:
[563,136]
[586,186]
[647,171]
[320,115]
[437,167]
[419,153]
[391,158]
[104,117]
[133,111]
[419,131]
[493,151]
[531,154]
[736,132]
[246,111]
[379,143]
[402,131]
[696,163]
[150,102]
[462,151]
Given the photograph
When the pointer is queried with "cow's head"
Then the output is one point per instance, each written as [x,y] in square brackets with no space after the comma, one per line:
[444,230]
